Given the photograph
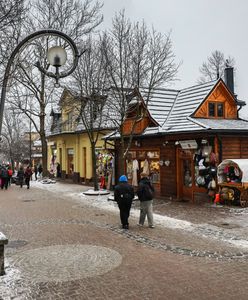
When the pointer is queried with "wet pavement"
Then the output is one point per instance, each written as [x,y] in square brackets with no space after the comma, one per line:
[65,245]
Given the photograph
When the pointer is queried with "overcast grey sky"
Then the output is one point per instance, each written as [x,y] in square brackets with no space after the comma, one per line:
[198,28]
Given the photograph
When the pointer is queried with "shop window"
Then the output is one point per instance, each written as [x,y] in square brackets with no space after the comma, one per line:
[153,154]
[147,161]
[105,167]
[141,154]
[215,109]
[211,109]
[187,177]
[154,171]
[220,111]
[132,154]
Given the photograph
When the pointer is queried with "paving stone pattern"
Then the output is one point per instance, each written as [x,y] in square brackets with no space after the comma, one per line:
[61,248]
[65,262]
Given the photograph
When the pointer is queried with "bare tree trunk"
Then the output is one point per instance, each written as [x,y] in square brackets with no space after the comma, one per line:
[123,158]
[95,177]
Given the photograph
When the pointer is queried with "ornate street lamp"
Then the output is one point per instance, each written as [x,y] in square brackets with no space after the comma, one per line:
[56,56]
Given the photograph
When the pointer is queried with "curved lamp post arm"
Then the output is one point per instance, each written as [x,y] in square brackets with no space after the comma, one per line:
[30,37]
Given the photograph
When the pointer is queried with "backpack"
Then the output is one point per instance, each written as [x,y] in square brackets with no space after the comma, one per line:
[126,197]
[4,173]
[148,192]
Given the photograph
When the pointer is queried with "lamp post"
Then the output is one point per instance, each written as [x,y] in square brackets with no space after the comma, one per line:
[56,56]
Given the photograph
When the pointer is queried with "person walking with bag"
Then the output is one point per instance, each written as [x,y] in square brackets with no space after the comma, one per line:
[20,176]
[145,193]
[10,174]
[123,195]
[4,178]
[27,174]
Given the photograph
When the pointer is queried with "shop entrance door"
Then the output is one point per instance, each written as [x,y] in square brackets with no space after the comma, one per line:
[185,174]
[70,165]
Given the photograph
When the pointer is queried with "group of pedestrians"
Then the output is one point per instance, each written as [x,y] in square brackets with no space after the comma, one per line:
[124,195]
[22,176]
[6,173]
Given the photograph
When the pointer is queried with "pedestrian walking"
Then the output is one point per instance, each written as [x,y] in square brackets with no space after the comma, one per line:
[145,193]
[10,174]
[20,176]
[28,174]
[123,195]
[35,171]
[4,177]
[40,170]
[58,170]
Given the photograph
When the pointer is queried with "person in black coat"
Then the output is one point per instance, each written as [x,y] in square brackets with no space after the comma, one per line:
[20,176]
[145,194]
[123,195]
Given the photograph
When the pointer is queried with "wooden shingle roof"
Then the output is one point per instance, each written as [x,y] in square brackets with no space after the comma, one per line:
[187,101]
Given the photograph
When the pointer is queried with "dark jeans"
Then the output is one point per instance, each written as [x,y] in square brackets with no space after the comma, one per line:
[124,212]
[4,183]
[27,181]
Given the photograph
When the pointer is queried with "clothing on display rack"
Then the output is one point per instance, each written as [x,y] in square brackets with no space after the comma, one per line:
[135,170]
[146,168]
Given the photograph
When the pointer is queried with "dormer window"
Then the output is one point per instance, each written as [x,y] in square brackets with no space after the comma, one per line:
[215,109]
[220,110]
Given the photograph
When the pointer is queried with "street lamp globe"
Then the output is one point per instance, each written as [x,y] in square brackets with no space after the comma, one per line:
[56,56]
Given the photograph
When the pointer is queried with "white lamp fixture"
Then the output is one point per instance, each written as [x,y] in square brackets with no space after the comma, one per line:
[56,56]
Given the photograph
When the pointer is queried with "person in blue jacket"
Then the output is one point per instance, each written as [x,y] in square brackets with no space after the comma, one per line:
[123,195]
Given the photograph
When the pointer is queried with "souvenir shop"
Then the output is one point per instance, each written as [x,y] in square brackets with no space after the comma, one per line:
[105,168]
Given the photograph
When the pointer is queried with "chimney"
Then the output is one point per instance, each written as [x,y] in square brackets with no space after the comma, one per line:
[228,73]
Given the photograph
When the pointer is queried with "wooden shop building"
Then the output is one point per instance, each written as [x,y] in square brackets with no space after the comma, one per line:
[183,136]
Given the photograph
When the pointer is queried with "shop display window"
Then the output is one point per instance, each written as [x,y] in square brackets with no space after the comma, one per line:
[205,164]
[155,171]
[141,154]
[105,167]
[187,176]
[143,161]
[132,154]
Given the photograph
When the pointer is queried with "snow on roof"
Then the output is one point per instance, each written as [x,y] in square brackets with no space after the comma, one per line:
[187,101]
[220,124]
[160,102]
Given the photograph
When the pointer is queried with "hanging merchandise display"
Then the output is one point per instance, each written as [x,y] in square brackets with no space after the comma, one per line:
[205,168]
[105,168]
[143,161]
[135,169]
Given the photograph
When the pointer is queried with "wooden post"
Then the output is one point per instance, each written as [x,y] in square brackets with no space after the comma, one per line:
[3,241]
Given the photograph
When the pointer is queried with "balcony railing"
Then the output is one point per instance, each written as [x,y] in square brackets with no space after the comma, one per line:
[62,127]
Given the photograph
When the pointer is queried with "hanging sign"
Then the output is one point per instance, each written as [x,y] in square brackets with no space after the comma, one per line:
[188,144]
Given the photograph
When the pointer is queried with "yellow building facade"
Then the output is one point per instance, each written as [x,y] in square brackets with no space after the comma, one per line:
[73,153]
[69,146]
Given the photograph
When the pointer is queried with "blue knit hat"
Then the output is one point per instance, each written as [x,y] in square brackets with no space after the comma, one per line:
[123,178]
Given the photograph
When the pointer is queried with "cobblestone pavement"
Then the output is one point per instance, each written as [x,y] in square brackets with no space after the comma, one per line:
[63,245]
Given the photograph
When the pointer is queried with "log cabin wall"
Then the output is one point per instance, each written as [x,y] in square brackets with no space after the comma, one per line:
[234,147]
[168,185]
[231,147]
[167,153]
